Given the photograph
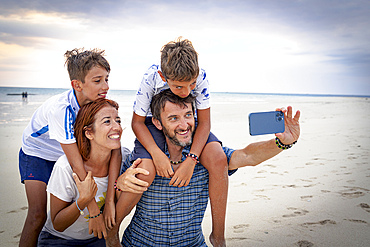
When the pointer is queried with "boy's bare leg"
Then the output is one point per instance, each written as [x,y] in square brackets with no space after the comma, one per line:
[125,204]
[214,159]
[36,215]
[127,201]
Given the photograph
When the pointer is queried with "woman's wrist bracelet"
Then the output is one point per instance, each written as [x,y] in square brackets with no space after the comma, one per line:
[81,211]
[193,157]
[115,186]
[283,146]
[96,216]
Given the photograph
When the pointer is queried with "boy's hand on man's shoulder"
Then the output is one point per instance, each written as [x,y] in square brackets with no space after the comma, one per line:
[183,174]
[162,165]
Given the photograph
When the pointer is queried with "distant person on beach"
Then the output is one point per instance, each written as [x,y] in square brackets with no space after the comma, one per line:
[179,71]
[24,96]
[98,131]
[172,216]
[50,134]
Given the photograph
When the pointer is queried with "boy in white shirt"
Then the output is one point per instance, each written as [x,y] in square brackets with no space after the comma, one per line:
[179,71]
[50,134]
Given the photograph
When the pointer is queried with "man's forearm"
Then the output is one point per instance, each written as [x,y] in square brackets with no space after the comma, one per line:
[254,154]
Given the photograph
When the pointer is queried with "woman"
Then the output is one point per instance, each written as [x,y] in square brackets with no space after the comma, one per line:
[98,132]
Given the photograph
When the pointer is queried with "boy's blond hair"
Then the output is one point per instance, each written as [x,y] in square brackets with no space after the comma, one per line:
[179,60]
[79,62]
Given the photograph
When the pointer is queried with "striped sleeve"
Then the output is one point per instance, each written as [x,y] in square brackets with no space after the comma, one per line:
[69,119]
[61,121]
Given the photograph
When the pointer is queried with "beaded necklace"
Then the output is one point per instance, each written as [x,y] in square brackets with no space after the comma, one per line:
[175,162]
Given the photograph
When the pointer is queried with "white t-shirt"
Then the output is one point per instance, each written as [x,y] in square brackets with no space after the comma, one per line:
[50,125]
[63,186]
[152,84]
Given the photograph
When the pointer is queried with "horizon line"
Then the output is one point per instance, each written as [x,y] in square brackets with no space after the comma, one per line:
[231,92]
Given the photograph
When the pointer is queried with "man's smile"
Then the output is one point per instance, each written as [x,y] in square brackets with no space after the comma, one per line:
[183,132]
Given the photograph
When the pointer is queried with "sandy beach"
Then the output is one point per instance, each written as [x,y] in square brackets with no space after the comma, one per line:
[315,194]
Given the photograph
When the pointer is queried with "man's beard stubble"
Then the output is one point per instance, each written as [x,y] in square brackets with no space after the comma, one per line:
[173,139]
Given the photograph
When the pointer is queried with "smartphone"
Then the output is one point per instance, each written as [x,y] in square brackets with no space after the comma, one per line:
[261,123]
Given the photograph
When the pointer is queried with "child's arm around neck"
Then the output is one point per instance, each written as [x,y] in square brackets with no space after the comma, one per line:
[160,160]
[202,132]
[75,159]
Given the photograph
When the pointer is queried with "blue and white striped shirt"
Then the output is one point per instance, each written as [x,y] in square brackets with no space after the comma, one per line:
[50,125]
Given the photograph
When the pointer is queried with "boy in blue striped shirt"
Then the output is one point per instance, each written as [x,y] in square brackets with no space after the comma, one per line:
[50,134]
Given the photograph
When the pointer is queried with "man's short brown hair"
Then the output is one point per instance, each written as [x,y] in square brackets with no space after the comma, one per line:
[159,102]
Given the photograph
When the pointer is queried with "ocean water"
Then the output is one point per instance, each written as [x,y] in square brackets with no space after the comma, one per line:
[17,110]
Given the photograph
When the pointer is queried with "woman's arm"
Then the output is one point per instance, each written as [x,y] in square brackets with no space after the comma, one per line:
[60,209]
[74,157]
[64,214]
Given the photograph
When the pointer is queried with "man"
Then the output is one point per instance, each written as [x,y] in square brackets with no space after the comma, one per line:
[172,216]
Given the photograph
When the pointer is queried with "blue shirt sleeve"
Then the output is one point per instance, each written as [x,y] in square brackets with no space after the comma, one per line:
[229,151]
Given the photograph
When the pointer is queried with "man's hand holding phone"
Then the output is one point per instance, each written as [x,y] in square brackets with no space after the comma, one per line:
[292,128]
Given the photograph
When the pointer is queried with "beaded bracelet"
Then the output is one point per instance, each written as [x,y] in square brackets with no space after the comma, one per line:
[282,145]
[96,216]
[116,188]
[81,212]
[193,157]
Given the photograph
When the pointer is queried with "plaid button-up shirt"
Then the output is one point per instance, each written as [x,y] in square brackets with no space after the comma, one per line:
[168,215]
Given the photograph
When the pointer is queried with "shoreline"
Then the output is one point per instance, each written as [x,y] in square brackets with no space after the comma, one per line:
[16,93]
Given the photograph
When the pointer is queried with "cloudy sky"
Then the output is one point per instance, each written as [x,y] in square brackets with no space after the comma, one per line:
[263,46]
